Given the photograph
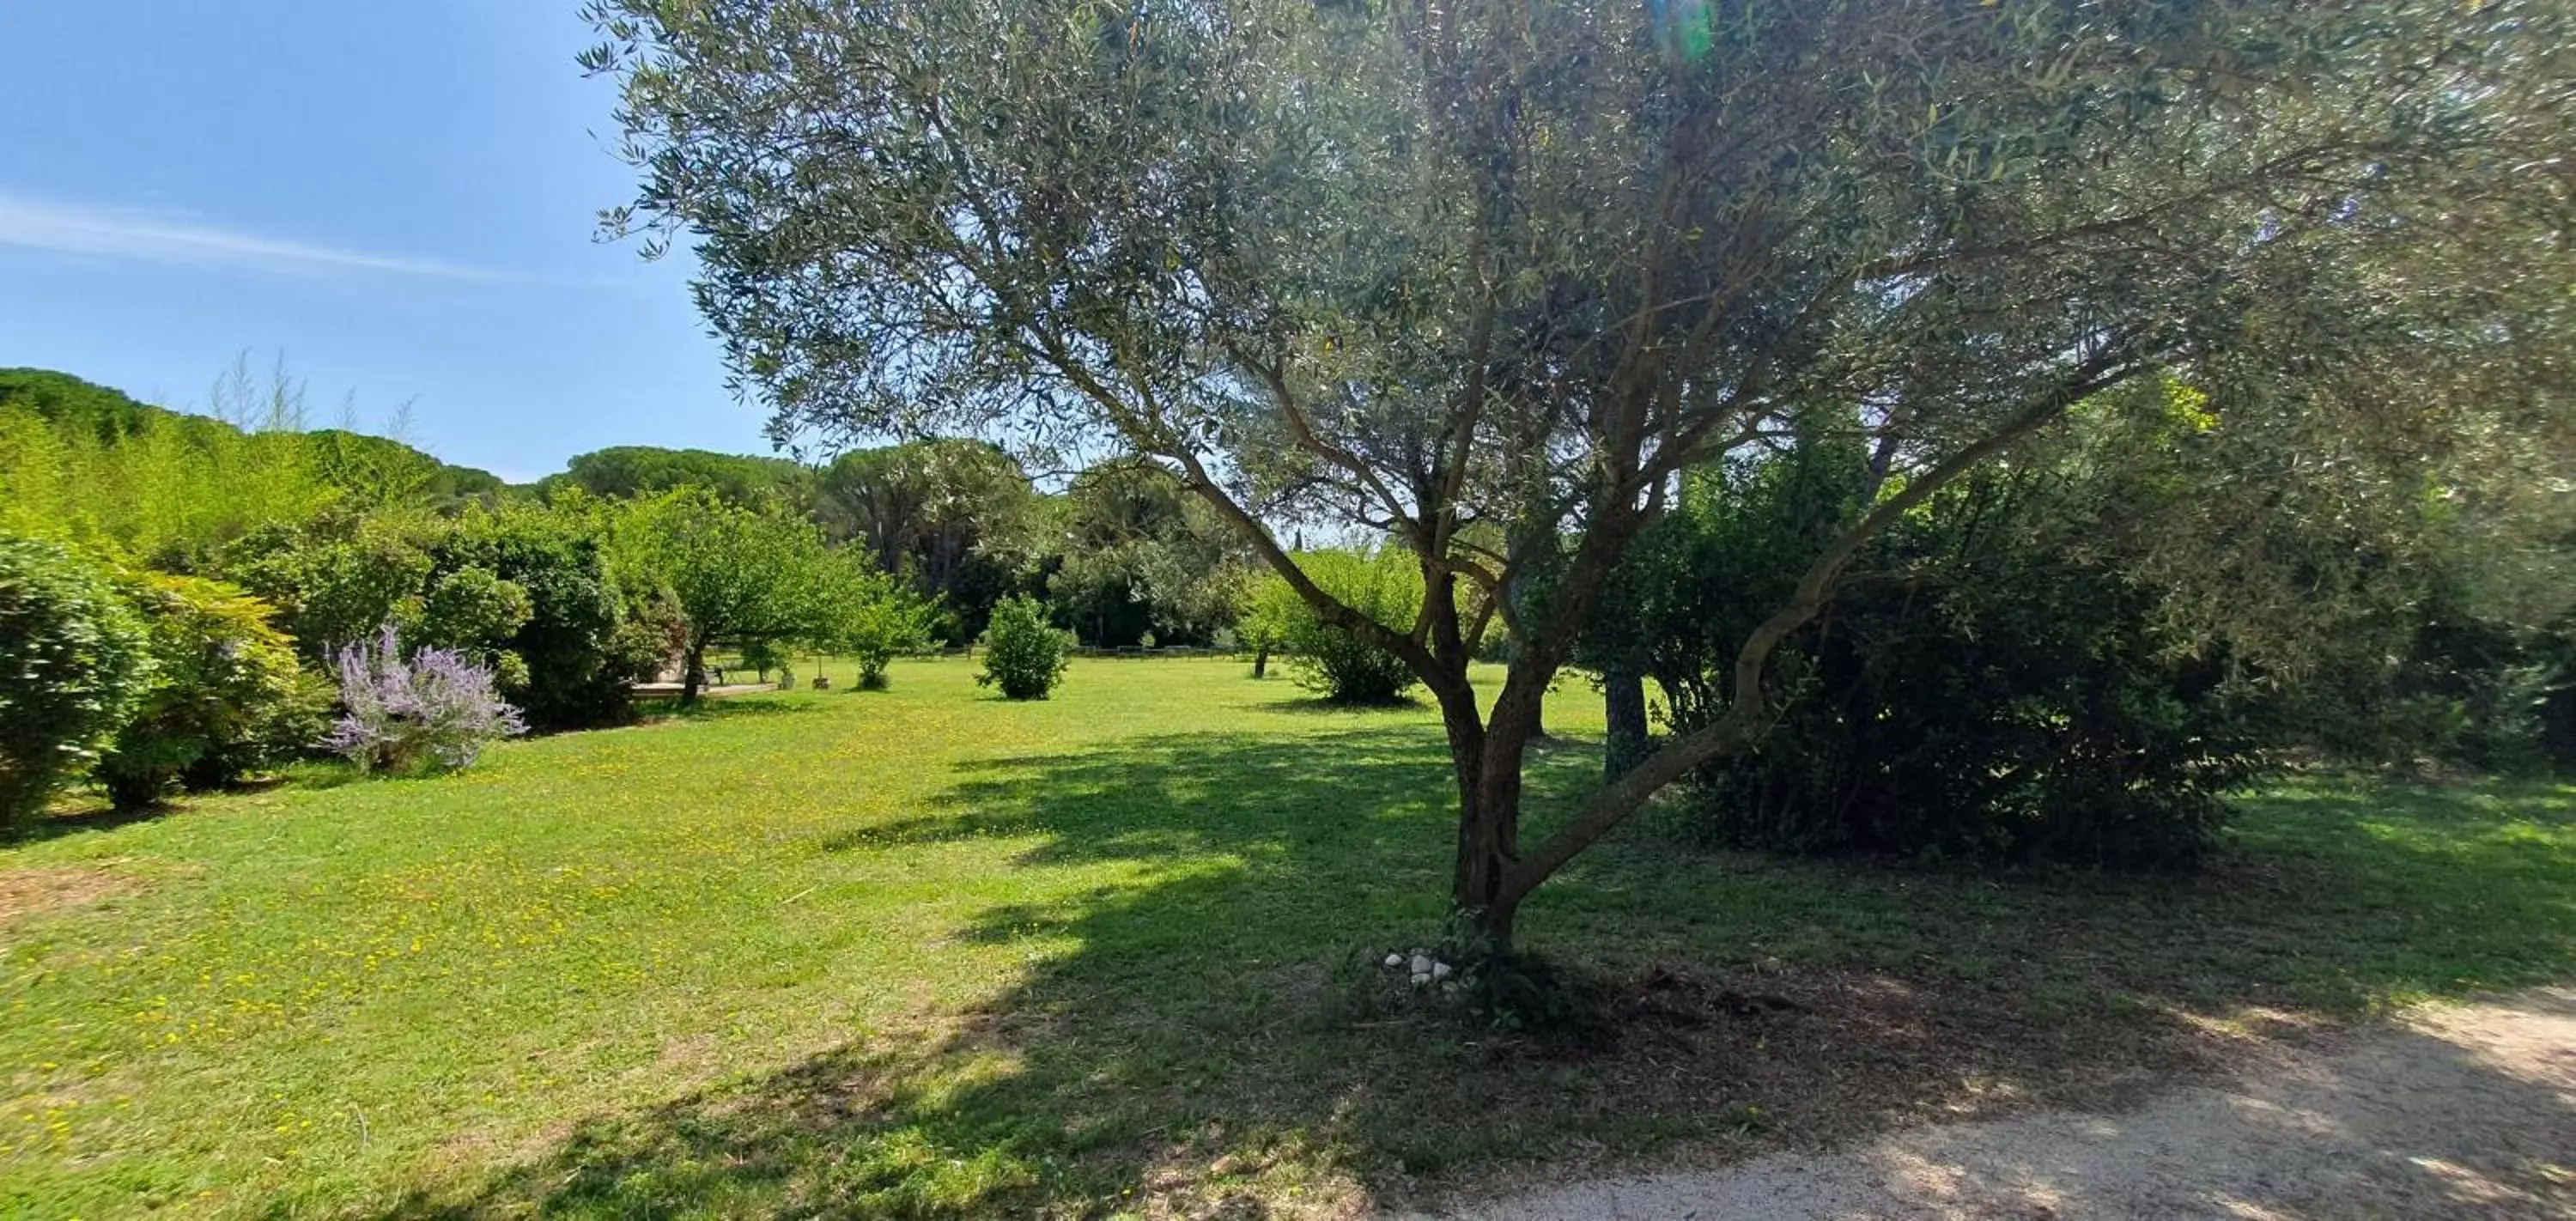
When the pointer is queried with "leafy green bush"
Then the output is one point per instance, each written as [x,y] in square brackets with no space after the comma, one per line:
[225,695]
[1385,585]
[2024,710]
[865,613]
[572,656]
[73,662]
[2449,683]
[1024,654]
[883,631]
[526,591]
[339,577]
[473,610]
[1982,689]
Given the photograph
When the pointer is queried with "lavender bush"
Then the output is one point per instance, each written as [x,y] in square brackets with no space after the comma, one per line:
[432,711]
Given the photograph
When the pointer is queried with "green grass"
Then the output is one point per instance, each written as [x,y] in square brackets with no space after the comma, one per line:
[925,952]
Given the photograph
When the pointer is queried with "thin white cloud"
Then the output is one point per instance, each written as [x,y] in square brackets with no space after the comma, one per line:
[128,234]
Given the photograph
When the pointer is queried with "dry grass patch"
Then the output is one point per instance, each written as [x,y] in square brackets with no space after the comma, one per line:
[41,889]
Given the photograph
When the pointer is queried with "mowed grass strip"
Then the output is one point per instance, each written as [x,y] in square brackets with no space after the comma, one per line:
[923,952]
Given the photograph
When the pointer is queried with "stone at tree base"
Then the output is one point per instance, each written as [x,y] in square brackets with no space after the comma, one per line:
[1421,963]
[822,682]
[1393,961]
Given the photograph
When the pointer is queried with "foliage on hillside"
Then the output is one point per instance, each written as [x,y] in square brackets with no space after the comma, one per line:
[82,462]
[645,470]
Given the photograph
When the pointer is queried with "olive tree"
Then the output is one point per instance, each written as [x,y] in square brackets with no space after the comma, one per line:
[1487,276]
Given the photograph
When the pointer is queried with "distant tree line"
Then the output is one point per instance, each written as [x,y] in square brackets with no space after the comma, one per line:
[1120,554]
[280,548]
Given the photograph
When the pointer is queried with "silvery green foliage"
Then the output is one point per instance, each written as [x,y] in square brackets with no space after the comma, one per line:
[431,710]
[1486,277]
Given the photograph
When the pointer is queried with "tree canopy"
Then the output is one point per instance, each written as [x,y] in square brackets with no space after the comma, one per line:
[950,516]
[643,470]
[1489,277]
[739,575]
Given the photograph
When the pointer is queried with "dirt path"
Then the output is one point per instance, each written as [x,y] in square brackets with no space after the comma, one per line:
[2467,1111]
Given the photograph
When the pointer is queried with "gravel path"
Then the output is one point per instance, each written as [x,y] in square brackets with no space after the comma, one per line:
[2459,1111]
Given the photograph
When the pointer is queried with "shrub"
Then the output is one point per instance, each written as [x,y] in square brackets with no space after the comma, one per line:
[473,611]
[289,729]
[1024,655]
[863,612]
[875,651]
[2026,713]
[526,590]
[1988,690]
[434,710]
[73,660]
[582,643]
[1384,585]
[335,579]
[884,629]
[2456,685]
[225,694]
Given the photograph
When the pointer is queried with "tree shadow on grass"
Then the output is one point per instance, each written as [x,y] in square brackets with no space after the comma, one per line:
[81,817]
[86,808]
[727,708]
[1221,1042]
[1326,705]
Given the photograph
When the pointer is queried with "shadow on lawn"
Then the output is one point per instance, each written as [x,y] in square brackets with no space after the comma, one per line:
[749,706]
[79,819]
[1221,1043]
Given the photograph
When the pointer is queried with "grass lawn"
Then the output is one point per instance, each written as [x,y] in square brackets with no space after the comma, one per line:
[925,952]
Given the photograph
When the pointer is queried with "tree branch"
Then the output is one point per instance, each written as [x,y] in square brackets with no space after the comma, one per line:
[1743,722]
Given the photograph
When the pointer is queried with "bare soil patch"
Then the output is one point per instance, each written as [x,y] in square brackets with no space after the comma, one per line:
[2449,1111]
[35,890]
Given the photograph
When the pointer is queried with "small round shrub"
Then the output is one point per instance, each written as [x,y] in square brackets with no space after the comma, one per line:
[1024,655]
[225,694]
[1346,669]
[1385,585]
[73,661]
[878,635]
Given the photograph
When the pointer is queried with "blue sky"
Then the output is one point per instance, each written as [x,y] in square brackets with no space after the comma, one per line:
[399,198]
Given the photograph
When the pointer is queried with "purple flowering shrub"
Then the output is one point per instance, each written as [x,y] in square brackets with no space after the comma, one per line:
[433,711]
